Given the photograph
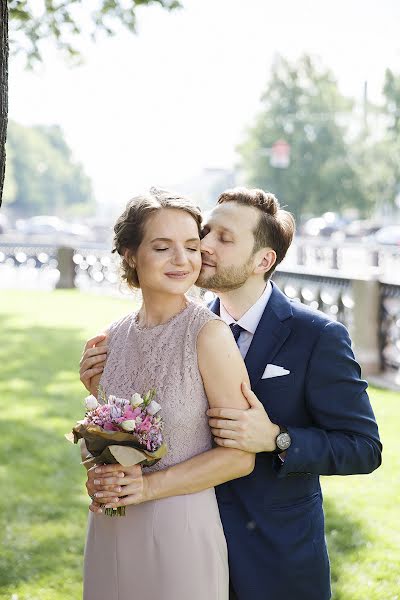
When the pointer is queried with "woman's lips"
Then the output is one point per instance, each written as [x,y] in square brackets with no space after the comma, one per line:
[177,274]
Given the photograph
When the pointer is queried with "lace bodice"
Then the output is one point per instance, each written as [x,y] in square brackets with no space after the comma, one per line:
[164,357]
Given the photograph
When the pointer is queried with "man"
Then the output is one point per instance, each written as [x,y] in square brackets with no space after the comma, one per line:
[309,411]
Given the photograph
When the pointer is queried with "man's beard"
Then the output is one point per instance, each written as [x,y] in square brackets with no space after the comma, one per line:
[226,279]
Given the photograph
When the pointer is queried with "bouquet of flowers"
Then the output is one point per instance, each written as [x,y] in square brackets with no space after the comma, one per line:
[117,430]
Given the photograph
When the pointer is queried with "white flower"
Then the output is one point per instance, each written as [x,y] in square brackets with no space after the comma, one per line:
[115,412]
[153,407]
[128,425]
[111,399]
[136,400]
[121,402]
[138,420]
[90,402]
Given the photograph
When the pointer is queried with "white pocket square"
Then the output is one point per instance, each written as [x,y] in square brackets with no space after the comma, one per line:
[274,371]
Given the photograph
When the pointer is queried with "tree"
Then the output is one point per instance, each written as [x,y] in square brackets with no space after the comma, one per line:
[57,20]
[303,106]
[378,150]
[391,92]
[41,176]
[3,89]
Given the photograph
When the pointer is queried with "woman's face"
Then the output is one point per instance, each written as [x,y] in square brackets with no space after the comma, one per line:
[168,258]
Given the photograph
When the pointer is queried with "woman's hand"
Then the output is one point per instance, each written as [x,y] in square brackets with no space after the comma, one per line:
[111,486]
[108,488]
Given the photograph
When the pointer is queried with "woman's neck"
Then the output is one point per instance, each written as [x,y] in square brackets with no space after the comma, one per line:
[158,308]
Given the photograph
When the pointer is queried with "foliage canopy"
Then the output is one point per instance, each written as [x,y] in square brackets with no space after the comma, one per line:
[41,176]
[63,20]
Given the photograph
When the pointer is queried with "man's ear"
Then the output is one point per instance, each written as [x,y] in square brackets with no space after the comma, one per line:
[266,258]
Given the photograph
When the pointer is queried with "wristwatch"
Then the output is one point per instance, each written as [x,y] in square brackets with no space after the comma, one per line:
[282,440]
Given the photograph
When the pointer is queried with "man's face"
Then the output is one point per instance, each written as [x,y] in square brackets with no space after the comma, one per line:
[227,247]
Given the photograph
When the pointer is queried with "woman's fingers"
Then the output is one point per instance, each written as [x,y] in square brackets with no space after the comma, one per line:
[135,496]
[96,507]
[104,497]
[117,470]
[130,494]
[110,493]
[106,482]
[104,470]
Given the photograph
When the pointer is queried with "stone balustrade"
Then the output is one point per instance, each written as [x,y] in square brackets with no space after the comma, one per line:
[366,299]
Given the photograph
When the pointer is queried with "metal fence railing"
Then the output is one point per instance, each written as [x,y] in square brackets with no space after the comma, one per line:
[368,303]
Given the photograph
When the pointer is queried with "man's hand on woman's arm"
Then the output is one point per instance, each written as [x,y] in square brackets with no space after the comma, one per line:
[222,370]
[92,362]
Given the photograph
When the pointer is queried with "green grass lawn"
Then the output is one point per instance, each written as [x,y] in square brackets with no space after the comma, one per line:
[43,499]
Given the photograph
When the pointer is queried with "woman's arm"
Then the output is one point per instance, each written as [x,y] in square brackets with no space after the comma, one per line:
[223,371]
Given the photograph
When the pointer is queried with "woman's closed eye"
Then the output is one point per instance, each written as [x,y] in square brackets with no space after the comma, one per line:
[164,249]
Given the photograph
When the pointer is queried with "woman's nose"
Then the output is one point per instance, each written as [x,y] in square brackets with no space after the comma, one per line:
[179,257]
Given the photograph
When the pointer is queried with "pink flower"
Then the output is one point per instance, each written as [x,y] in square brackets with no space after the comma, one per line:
[110,427]
[129,414]
[146,424]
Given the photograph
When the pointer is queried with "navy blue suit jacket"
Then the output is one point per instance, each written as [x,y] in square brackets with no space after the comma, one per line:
[273,518]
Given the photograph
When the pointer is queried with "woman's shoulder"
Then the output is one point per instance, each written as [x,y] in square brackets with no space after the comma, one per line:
[199,313]
[119,324]
[202,322]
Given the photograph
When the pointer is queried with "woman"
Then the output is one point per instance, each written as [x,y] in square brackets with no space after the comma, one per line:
[170,544]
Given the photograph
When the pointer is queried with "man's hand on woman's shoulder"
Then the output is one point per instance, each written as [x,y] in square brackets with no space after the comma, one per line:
[92,362]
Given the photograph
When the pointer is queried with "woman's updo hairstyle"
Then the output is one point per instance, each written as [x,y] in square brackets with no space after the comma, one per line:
[129,228]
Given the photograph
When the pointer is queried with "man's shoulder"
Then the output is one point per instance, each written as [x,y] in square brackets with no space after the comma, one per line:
[313,321]
[308,314]
[304,316]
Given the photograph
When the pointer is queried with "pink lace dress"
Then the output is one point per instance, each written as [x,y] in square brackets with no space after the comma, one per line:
[174,548]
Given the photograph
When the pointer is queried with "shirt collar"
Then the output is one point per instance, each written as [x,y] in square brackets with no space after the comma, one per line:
[250,320]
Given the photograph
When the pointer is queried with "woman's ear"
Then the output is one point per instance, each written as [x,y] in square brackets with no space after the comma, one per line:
[129,258]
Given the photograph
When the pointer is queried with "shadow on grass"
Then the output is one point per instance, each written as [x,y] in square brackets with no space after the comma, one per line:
[36,354]
[43,524]
[347,538]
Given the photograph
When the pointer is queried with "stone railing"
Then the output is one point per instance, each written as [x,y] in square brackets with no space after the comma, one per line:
[346,257]
[368,306]
[367,303]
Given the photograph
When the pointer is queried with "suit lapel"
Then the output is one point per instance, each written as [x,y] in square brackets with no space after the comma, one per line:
[271,333]
[214,306]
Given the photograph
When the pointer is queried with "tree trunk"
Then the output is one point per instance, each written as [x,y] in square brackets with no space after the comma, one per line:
[3,89]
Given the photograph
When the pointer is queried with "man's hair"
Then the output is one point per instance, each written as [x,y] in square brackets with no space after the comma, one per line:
[275,228]
[130,226]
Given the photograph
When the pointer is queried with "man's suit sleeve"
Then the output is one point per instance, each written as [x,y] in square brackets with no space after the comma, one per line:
[343,438]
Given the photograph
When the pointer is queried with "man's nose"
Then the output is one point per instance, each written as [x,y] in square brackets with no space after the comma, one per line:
[205,244]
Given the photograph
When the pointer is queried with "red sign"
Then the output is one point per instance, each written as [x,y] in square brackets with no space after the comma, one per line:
[280,155]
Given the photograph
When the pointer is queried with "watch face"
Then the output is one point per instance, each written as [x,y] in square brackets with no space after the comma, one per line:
[283,441]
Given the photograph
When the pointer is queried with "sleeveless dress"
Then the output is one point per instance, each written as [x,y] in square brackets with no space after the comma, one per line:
[173,548]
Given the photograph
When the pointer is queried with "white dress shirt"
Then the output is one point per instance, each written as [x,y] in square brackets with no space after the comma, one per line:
[249,321]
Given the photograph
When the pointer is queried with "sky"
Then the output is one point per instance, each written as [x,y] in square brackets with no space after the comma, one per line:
[159,107]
